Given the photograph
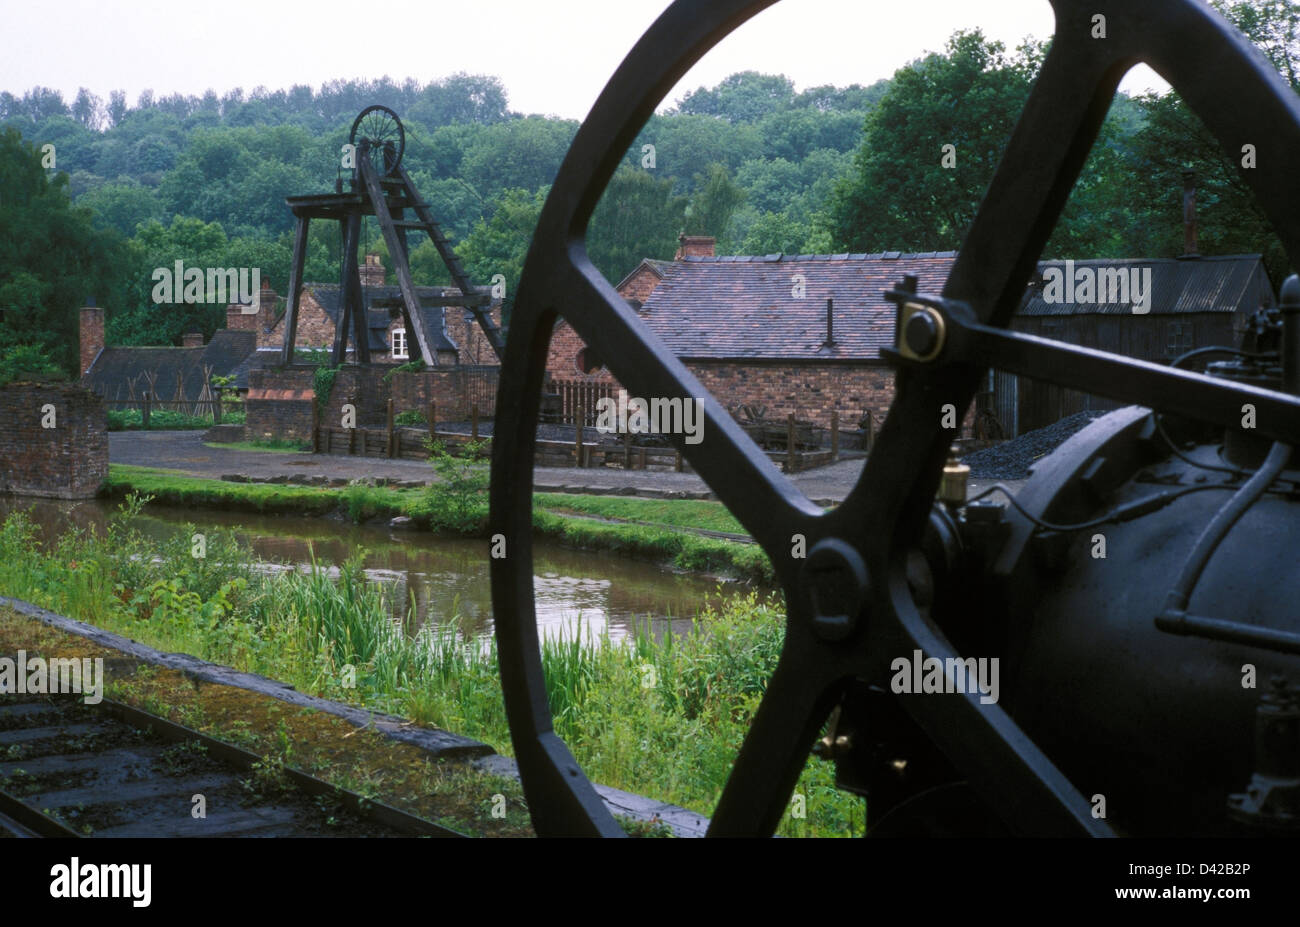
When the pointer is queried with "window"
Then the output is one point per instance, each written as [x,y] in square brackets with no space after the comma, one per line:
[1179,338]
[399,344]
[588,362]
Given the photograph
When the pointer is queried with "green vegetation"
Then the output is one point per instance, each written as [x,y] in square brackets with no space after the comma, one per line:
[410,417]
[662,718]
[131,419]
[677,513]
[323,384]
[29,363]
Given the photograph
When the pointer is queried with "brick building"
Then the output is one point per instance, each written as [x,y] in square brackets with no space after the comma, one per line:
[254,334]
[793,334]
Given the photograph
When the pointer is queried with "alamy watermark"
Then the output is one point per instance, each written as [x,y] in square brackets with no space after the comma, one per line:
[220,285]
[1070,284]
[75,879]
[659,416]
[56,676]
[928,675]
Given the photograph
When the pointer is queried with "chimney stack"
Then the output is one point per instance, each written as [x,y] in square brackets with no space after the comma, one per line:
[92,335]
[694,246]
[1189,215]
[192,340]
[372,271]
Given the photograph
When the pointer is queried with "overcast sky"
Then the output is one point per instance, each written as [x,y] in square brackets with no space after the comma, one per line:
[553,57]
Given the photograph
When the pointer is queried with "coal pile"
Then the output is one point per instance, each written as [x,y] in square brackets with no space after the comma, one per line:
[1012,459]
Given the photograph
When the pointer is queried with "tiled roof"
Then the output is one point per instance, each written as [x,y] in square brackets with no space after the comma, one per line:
[745,307]
[1223,283]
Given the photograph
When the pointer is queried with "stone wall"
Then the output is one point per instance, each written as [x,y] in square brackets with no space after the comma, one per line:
[53,442]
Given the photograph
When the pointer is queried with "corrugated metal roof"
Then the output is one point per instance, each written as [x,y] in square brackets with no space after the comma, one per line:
[746,307]
[1221,283]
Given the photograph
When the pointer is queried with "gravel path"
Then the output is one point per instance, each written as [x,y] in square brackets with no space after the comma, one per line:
[185,451]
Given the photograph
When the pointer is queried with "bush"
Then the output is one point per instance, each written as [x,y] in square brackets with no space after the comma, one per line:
[126,419]
[410,417]
[458,501]
[28,362]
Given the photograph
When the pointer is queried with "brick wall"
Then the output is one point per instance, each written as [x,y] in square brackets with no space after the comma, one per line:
[562,357]
[68,460]
[92,336]
[640,283]
[809,391]
[279,403]
[315,328]
[454,389]
[362,387]
[472,344]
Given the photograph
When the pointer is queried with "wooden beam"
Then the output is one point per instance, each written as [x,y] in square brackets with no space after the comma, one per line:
[295,291]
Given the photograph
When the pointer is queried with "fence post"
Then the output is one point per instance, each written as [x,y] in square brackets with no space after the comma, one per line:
[869,437]
[216,408]
[390,428]
[627,450]
[433,420]
[789,443]
[577,439]
[835,435]
[315,426]
[473,422]
[144,411]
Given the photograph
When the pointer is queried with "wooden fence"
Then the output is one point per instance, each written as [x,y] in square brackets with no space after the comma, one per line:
[588,448]
[581,395]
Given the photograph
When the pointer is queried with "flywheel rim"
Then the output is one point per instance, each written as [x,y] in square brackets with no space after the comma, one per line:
[1000,760]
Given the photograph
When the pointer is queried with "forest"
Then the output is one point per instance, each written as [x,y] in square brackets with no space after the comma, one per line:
[95,193]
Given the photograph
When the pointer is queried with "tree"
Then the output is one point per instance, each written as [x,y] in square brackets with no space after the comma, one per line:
[746,96]
[638,217]
[716,200]
[901,196]
[116,107]
[55,258]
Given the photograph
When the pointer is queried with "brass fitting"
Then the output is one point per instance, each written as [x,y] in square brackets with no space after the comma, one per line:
[952,488]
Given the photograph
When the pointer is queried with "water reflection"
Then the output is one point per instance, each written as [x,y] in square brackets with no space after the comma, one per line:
[442,577]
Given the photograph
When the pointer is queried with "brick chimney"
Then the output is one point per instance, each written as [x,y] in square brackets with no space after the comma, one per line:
[92,336]
[372,271]
[192,340]
[237,320]
[266,300]
[694,246]
[1189,215]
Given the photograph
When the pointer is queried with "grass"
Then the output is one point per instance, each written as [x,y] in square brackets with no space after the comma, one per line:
[663,718]
[463,512]
[679,513]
